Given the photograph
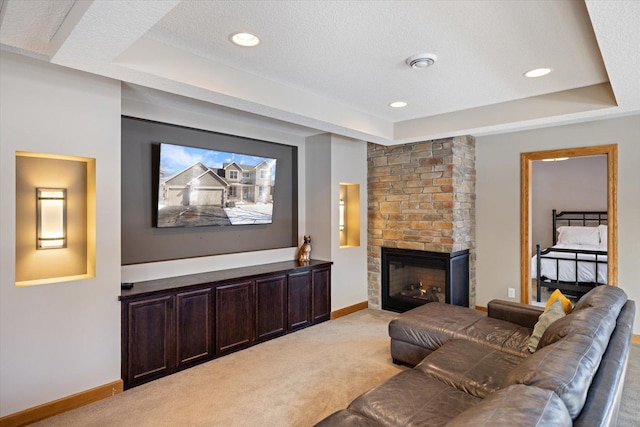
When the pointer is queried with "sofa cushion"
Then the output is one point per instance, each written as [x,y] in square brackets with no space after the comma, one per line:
[469,367]
[517,405]
[412,398]
[552,313]
[433,324]
[406,353]
[499,335]
[595,314]
[565,367]
[584,322]
[604,296]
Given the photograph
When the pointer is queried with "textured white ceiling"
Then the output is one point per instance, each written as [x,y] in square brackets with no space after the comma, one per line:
[334,66]
[329,49]
[30,25]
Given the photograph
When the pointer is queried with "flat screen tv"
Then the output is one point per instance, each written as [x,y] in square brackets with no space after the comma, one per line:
[201,187]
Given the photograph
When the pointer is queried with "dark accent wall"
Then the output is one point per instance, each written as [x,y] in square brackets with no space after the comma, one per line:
[143,242]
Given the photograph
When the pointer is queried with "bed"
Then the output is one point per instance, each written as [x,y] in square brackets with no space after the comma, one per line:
[577,261]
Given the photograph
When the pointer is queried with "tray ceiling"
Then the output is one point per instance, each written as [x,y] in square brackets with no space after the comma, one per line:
[334,66]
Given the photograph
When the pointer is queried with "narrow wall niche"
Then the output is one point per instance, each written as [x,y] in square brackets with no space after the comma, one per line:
[349,215]
[75,259]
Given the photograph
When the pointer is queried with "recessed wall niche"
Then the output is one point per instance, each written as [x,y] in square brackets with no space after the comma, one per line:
[349,221]
[76,261]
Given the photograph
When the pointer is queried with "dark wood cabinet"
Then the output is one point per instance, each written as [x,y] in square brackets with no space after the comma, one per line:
[270,307]
[299,297]
[149,340]
[174,323]
[234,317]
[321,289]
[194,333]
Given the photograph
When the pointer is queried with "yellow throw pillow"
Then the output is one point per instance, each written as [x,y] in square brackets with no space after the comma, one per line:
[566,304]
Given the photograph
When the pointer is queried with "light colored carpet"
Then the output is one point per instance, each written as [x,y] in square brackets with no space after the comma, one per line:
[295,380]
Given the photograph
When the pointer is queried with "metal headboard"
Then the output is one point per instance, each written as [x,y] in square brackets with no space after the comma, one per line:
[577,218]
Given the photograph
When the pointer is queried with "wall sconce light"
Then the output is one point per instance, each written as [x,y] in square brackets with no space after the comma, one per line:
[341,223]
[51,218]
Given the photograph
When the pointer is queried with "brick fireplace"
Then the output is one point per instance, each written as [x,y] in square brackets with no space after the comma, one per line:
[421,196]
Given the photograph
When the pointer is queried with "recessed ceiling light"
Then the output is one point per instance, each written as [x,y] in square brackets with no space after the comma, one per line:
[421,60]
[398,104]
[244,39]
[538,72]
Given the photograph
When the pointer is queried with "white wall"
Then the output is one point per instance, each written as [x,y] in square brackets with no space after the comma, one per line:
[578,184]
[498,200]
[348,165]
[62,338]
[332,160]
[193,114]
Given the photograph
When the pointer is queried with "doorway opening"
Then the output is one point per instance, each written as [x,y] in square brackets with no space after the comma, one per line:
[526,163]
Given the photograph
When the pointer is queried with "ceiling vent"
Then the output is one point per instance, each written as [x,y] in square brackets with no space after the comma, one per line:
[421,60]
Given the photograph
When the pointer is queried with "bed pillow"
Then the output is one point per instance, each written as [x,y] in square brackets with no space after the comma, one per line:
[566,304]
[579,235]
[550,315]
[603,233]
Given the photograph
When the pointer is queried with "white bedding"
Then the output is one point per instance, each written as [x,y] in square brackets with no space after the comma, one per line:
[586,270]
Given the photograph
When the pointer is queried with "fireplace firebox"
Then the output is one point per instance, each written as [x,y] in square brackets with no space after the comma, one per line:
[411,278]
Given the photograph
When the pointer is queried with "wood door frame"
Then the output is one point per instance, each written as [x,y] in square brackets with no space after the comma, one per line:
[526,159]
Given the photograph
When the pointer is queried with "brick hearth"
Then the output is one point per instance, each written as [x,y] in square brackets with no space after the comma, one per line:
[421,196]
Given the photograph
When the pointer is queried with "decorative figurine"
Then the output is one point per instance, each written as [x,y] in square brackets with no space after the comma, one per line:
[304,255]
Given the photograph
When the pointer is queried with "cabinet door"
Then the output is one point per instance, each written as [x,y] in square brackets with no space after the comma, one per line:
[270,307]
[299,300]
[321,280]
[193,326]
[150,339]
[234,316]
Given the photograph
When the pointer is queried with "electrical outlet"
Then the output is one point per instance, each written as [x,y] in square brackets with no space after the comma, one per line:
[512,292]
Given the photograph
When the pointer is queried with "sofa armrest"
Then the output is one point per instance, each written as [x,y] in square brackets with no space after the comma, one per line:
[520,314]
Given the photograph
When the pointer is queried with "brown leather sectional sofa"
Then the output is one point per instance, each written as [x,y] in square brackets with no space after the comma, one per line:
[473,369]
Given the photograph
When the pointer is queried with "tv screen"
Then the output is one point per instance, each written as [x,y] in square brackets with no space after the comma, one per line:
[200,187]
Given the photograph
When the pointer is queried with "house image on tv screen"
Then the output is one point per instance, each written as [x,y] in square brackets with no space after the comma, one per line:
[234,192]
